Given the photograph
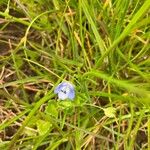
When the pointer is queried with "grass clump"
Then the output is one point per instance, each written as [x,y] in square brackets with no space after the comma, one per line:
[102,47]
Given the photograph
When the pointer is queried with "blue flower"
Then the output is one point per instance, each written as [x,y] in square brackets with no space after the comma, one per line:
[65,90]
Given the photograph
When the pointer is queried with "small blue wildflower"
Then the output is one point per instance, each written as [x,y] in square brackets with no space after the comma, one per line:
[65,90]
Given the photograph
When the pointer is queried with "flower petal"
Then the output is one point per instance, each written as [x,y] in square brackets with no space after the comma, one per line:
[59,87]
[71,94]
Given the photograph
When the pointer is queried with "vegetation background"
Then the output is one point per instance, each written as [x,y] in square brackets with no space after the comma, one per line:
[102,47]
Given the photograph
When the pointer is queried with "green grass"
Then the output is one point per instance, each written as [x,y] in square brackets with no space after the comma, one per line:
[102,47]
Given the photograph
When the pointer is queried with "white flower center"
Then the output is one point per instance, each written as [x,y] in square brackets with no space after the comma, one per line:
[63,94]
